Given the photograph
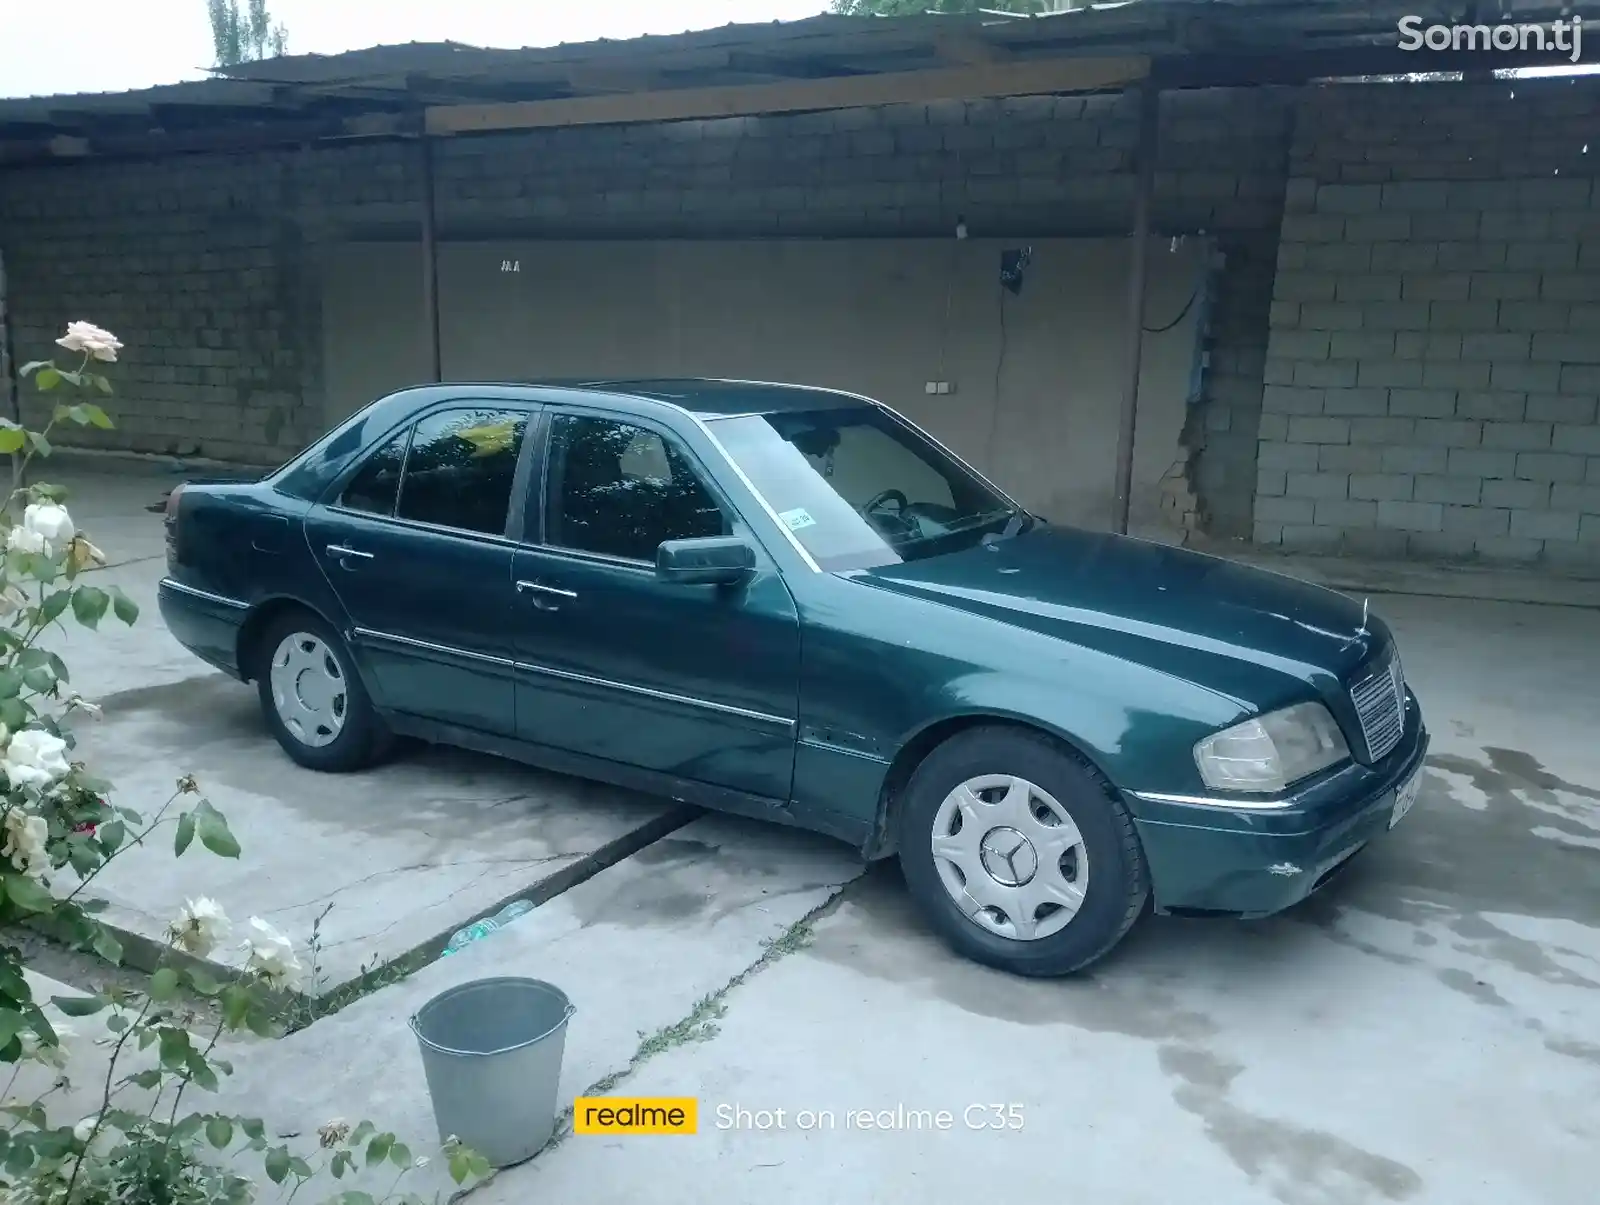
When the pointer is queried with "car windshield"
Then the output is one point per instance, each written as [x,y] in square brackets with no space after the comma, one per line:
[859,488]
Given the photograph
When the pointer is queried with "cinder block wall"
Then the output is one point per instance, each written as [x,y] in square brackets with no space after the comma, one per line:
[209,266]
[1434,362]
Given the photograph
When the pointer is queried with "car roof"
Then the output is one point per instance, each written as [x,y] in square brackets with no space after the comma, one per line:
[712,398]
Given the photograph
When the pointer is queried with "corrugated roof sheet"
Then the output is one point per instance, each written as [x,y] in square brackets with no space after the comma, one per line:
[392,78]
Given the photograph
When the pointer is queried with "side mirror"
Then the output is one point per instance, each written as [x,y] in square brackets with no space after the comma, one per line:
[713,561]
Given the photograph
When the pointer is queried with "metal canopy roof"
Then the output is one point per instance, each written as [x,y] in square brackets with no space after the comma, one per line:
[384,90]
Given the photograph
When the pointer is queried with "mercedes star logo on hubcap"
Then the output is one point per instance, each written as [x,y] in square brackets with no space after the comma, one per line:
[1008,856]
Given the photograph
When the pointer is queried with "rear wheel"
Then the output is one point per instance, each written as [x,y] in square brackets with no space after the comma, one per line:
[1020,853]
[313,698]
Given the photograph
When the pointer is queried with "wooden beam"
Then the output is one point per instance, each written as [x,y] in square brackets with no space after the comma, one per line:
[956,83]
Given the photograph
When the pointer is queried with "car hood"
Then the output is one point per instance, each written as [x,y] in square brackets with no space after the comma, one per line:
[1167,607]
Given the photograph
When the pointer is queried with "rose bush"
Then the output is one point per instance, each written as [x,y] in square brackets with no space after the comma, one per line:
[60,831]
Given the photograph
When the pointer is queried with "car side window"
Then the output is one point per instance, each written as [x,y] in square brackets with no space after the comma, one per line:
[376,487]
[460,468]
[621,490]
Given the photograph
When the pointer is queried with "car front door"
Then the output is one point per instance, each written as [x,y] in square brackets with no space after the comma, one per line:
[698,682]
[417,542]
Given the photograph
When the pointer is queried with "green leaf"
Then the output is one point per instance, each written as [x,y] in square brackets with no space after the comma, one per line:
[378,1148]
[277,1164]
[219,1132]
[123,607]
[164,985]
[300,1168]
[103,384]
[148,1078]
[252,1127]
[116,1022]
[58,667]
[400,1155]
[185,834]
[111,835]
[19,1158]
[47,379]
[39,680]
[203,984]
[212,829]
[175,1047]
[79,1006]
[55,605]
[12,438]
[33,366]
[89,604]
[339,1164]
[201,1073]
[41,445]
[15,714]
[363,1131]
[262,1024]
[459,1165]
[10,683]
[28,895]
[10,1025]
[235,1007]
[107,946]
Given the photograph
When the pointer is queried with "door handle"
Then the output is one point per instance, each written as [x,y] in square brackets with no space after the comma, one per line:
[536,588]
[341,552]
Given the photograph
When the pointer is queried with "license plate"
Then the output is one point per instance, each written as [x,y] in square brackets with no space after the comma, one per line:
[1405,797]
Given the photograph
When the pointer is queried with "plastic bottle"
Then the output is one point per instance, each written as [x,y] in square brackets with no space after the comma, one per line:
[482,928]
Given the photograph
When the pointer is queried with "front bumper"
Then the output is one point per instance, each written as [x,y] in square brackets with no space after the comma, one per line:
[1210,857]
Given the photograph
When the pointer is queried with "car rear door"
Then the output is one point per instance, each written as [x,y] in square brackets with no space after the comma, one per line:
[417,542]
[699,682]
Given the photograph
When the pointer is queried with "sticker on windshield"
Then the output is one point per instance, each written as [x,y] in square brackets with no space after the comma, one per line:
[798,518]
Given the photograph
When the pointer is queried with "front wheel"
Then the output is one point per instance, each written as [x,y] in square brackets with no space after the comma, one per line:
[313,699]
[1020,853]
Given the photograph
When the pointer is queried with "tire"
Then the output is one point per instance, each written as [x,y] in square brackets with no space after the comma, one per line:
[1098,869]
[339,731]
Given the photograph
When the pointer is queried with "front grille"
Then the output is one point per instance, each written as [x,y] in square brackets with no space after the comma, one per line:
[1380,704]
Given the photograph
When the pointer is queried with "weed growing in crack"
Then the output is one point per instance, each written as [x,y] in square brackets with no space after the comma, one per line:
[701,1022]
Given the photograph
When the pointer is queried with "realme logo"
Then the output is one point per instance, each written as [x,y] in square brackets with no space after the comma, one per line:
[644,1115]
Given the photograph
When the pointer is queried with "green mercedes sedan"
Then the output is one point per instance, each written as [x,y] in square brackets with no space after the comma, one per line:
[794,604]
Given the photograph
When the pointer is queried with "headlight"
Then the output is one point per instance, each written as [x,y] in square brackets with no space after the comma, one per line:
[1270,752]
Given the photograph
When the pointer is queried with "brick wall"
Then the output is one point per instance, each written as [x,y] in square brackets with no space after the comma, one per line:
[1434,362]
[208,266]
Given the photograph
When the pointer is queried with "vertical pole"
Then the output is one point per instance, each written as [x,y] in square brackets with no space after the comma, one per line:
[1149,101]
[430,261]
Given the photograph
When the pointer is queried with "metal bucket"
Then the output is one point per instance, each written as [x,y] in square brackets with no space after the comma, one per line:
[491,1050]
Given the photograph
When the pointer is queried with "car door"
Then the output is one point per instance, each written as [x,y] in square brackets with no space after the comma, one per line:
[698,682]
[417,542]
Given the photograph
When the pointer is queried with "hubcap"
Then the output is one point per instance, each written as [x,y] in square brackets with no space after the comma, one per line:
[308,689]
[1010,856]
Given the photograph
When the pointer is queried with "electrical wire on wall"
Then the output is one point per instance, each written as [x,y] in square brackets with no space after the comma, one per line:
[999,371]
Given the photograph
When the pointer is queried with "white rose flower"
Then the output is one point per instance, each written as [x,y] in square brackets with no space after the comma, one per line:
[200,926]
[51,523]
[84,1130]
[35,758]
[22,539]
[87,337]
[271,956]
[25,837]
